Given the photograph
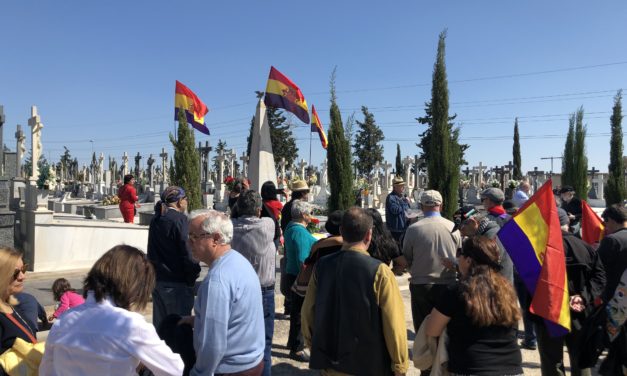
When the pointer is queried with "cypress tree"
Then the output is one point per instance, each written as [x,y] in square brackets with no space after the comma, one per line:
[615,190]
[580,161]
[425,137]
[367,147]
[443,166]
[516,151]
[338,155]
[568,156]
[400,170]
[187,163]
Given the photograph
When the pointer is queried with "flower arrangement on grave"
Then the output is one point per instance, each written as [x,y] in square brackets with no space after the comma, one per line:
[494,183]
[313,226]
[464,183]
[313,179]
[111,200]
[230,182]
[512,184]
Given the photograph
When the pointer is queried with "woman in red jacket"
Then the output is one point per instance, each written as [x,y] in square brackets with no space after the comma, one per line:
[128,199]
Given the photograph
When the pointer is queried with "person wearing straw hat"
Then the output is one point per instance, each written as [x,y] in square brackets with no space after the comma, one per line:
[395,206]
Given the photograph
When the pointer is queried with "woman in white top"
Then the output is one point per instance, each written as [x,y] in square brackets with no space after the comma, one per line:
[105,336]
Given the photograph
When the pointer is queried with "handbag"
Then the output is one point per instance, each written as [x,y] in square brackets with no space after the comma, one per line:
[299,287]
[23,358]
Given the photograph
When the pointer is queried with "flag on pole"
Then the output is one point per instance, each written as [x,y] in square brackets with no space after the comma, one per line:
[195,110]
[281,92]
[533,239]
[316,126]
[592,228]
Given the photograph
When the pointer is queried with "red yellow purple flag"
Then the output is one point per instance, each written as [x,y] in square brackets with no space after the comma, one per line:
[533,239]
[281,92]
[195,110]
[592,228]
[316,126]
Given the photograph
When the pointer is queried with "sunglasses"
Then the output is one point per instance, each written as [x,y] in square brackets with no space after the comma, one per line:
[17,271]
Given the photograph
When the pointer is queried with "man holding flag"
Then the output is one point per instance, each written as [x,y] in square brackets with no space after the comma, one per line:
[586,281]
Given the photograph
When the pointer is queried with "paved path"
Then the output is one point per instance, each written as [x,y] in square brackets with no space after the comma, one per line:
[39,285]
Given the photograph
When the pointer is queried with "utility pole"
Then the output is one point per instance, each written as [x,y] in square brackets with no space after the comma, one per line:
[551,158]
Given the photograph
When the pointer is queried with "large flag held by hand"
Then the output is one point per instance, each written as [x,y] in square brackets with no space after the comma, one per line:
[195,110]
[533,239]
[281,92]
[316,126]
[592,228]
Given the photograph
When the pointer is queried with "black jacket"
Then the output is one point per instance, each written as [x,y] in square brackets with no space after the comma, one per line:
[613,254]
[348,332]
[168,249]
[585,274]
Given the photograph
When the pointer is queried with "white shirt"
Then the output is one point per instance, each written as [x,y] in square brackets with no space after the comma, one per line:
[520,198]
[102,339]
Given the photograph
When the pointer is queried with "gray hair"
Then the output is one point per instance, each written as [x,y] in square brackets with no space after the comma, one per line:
[249,203]
[214,222]
[299,209]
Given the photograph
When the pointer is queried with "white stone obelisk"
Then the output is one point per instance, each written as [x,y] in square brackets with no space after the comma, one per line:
[261,166]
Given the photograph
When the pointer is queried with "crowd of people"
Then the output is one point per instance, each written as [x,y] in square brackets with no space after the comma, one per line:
[345,308]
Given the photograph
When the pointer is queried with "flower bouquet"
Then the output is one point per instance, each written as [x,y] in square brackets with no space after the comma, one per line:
[313,226]
[230,182]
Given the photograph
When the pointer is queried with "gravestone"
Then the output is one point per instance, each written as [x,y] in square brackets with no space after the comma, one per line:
[471,196]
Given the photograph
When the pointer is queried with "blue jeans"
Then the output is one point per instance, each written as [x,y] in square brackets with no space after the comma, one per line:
[267,296]
[171,298]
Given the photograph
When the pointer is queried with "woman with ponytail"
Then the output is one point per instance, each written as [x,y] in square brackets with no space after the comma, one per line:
[480,313]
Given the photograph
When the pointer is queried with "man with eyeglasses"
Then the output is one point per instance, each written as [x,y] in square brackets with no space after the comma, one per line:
[228,313]
[176,271]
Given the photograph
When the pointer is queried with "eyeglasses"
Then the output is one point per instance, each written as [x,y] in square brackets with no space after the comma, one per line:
[17,271]
[193,237]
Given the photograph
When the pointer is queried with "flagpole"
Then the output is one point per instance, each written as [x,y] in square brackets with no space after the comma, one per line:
[310,150]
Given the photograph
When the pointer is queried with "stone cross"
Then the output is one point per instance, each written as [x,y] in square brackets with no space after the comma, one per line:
[386,172]
[220,158]
[466,172]
[377,170]
[149,162]
[324,177]
[164,166]
[2,119]
[282,164]
[593,172]
[35,123]
[244,158]
[301,167]
[480,169]
[100,168]
[204,160]
[124,164]
[406,165]
[138,157]
[535,175]
[20,150]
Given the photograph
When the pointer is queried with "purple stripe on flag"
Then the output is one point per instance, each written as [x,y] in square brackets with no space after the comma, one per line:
[278,101]
[191,121]
[522,254]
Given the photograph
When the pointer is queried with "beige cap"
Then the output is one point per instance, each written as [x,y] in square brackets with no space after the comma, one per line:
[431,198]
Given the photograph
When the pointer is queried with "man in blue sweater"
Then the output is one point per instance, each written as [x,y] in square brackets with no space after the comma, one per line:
[228,323]
[395,206]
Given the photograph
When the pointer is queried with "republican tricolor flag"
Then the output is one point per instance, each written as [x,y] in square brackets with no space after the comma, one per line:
[316,126]
[533,239]
[281,92]
[195,110]
[592,228]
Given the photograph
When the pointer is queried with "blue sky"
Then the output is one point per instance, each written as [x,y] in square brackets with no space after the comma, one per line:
[105,71]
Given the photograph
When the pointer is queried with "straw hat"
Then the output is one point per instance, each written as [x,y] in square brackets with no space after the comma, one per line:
[299,186]
[398,180]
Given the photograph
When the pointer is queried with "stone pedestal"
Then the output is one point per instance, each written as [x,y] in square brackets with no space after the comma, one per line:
[15,200]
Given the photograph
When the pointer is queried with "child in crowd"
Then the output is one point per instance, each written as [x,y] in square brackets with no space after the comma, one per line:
[66,296]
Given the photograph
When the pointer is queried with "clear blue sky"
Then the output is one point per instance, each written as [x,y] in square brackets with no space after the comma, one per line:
[105,71]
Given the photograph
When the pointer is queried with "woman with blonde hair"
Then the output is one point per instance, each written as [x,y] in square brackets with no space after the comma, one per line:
[12,325]
[104,336]
[480,313]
